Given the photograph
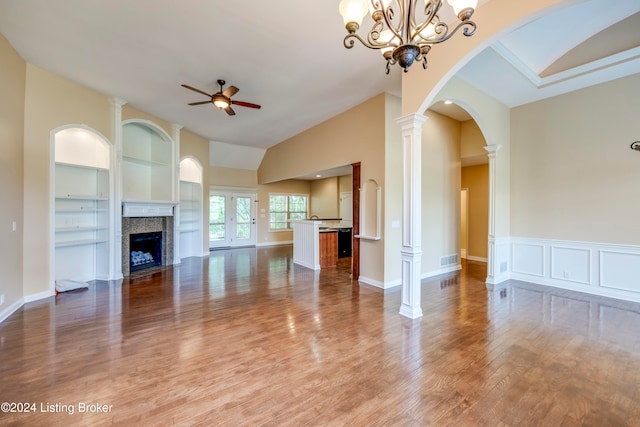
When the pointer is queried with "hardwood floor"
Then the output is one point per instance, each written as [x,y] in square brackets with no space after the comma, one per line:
[245,337]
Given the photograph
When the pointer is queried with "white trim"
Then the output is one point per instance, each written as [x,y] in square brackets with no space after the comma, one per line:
[283,242]
[372,282]
[4,314]
[604,269]
[440,271]
[38,296]
[476,258]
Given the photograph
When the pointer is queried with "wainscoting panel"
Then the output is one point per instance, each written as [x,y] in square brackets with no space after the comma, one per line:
[597,268]
[572,264]
[528,258]
[620,270]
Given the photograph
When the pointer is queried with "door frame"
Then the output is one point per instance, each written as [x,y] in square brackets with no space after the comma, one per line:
[230,194]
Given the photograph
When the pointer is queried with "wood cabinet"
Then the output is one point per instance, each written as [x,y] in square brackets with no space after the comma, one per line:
[328,248]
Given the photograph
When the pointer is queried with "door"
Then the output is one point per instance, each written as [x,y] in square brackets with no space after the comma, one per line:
[231,219]
[346,208]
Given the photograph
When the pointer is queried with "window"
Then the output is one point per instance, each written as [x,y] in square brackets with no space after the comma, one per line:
[285,207]
[217,217]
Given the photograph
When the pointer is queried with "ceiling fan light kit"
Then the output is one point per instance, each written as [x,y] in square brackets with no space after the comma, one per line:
[395,31]
[222,99]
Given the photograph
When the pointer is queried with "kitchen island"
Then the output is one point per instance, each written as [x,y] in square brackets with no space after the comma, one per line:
[315,245]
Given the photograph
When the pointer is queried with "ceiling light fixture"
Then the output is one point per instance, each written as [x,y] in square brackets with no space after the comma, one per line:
[220,101]
[395,31]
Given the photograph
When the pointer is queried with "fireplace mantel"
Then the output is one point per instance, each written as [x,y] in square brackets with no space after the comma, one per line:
[147,208]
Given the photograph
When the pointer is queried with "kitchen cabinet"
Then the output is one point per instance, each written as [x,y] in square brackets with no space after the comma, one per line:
[328,248]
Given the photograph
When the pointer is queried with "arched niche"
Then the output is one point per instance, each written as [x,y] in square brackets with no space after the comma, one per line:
[370,210]
[147,157]
[191,208]
[81,191]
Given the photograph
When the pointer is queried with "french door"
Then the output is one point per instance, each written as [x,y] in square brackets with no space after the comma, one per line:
[232,219]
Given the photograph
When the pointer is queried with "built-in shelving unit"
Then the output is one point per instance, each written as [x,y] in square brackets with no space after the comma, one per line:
[146,163]
[81,208]
[190,209]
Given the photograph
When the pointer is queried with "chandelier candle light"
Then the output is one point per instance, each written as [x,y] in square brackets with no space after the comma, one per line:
[395,31]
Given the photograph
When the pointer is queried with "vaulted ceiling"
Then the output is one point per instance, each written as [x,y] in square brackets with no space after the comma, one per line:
[288,56]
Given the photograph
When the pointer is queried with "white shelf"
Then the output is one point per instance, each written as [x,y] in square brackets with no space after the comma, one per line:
[85,242]
[81,217]
[191,223]
[78,229]
[143,161]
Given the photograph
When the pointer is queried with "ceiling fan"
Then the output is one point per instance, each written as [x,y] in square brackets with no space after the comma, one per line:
[222,99]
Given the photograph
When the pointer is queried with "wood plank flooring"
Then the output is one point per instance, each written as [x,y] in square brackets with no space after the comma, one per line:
[247,338]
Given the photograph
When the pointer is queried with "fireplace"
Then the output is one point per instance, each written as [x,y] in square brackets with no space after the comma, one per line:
[160,249]
[145,250]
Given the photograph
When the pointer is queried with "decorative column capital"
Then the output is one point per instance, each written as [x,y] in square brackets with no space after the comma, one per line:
[411,121]
[118,102]
[492,149]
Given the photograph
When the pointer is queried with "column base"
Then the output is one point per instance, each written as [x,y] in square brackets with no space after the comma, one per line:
[410,312]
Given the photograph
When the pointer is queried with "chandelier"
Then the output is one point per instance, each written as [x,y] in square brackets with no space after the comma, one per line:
[395,31]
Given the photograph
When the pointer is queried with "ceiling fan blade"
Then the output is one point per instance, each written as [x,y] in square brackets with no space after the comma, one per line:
[230,111]
[245,104]
[200,102]
[230,91]
[196,90]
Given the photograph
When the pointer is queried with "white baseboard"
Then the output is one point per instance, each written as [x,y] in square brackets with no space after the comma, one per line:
[371,282]
[4,314]
[285,242]
[38,296]
[444,270]
[476,258]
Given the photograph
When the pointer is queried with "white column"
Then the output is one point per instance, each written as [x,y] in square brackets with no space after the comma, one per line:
[411,126]
[176,192]
[115,216]
[491,252]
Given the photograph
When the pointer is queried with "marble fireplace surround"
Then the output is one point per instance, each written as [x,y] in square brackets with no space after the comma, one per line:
[146,224]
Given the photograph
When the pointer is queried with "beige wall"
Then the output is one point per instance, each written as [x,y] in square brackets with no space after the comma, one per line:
[197,147]
[493,120]
[573,175]
[50,102]
[476,180]
[129,113]
[392,208]
[440,190]
[231,177]
[345,183]
[325,198]
[357,135]
[293,186]
[12,88]
[472,143]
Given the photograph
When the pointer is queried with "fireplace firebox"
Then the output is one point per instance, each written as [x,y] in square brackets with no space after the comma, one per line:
[145,250]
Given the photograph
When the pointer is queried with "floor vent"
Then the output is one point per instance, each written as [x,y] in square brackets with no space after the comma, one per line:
[449,260]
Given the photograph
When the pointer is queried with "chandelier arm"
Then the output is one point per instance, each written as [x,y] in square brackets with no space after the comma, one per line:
[431,10]
[373,37]
[469,30]
[440,30]
[388,15]
[349,42]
